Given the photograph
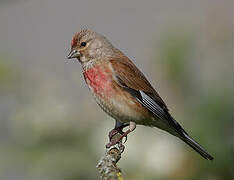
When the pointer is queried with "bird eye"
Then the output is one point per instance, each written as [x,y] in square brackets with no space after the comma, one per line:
[83,44]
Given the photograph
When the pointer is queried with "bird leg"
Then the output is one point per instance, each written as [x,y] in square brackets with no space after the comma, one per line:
[132,126]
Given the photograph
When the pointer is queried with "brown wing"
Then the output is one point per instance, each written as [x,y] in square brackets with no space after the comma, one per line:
[133,81]
[130,76]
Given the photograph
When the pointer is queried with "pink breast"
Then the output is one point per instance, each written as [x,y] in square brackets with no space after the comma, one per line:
[99,80]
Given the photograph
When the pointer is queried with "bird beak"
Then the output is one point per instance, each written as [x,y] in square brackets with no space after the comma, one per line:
[73,54]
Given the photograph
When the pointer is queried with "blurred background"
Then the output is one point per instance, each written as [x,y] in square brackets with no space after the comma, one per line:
[50,126]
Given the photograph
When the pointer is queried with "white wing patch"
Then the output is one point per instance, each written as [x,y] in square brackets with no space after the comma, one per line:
[151,105]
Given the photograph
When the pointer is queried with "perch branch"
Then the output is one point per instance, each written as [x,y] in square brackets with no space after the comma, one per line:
[107,167]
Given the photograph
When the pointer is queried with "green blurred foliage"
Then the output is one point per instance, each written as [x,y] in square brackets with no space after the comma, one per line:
[8,74]
[208,110]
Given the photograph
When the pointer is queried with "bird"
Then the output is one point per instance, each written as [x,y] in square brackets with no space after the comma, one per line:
[122,90]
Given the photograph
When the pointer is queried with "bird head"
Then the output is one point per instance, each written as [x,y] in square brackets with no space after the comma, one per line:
[87,45]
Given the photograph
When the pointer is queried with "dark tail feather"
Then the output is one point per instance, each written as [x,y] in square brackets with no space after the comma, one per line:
[197,147]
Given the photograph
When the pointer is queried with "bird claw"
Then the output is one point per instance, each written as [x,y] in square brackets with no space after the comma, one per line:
[113,142]
[112,133]
[120,145]
[125,139]
[121,148]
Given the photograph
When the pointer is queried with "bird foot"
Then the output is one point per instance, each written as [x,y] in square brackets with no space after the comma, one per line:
[112,143]
[115,131]
[120,146]
[118,140]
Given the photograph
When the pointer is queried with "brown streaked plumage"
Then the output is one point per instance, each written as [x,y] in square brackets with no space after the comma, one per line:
[122,90]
